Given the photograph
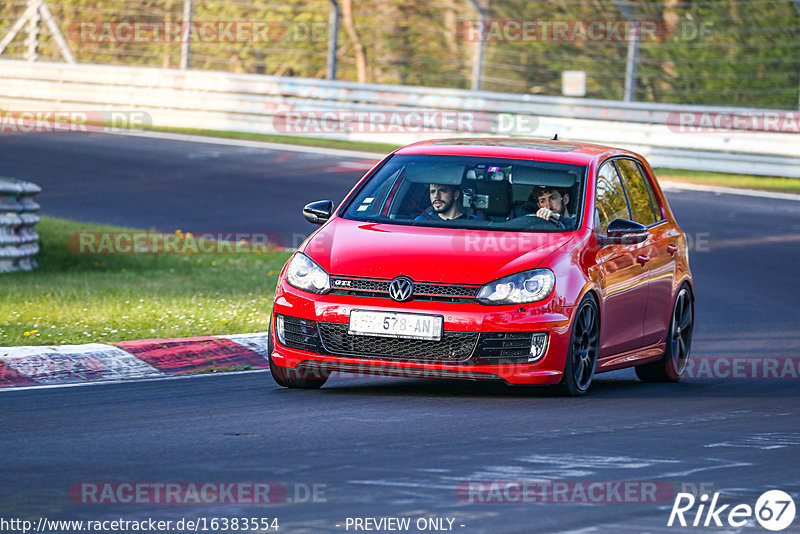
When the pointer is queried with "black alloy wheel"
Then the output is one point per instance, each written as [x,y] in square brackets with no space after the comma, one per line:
[671,367]
[583,349]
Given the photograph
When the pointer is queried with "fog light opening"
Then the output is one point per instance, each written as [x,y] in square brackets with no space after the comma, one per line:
[538,346]
[279,329]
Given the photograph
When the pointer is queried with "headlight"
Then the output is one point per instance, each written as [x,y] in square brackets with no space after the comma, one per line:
[303,273]
[527,286]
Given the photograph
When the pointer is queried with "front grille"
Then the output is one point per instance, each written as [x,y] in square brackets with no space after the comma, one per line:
[444,290]
[361,284]
[376,288]
[454,348]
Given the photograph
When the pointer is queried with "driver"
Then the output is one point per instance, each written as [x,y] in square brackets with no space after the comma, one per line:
[444,200]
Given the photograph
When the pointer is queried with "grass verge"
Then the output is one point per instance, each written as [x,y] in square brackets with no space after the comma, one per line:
[741,181]
[83,298]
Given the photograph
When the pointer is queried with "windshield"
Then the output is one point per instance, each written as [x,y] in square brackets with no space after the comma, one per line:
[472,192]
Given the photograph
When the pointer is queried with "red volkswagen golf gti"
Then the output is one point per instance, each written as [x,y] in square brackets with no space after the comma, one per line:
[522,260]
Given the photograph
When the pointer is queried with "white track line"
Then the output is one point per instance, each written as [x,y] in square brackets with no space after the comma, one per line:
[75,363]
[132,380]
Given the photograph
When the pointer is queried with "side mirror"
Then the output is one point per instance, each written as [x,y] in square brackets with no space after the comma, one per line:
[623,232]
[318,212]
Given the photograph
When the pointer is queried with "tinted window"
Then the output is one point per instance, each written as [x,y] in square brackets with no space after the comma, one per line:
[659,213]
[638,195]
[610,203]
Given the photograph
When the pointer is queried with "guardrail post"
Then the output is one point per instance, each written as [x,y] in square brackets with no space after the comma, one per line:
[480,48]
[19,242]
[187,34]
[333,39]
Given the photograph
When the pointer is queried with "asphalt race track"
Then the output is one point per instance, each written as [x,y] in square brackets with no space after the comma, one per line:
[376,447]
[151,183]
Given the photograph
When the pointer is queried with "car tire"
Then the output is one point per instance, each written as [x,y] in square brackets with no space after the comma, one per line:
[671,367]
[584,346]
[293,378]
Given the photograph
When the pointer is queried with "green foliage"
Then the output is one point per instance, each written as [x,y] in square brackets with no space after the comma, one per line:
[762,183]
[82,298]
[722,52]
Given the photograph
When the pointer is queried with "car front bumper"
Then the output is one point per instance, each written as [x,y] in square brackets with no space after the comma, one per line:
[474,335]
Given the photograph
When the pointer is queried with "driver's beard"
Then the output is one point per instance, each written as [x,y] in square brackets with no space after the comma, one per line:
[445,207]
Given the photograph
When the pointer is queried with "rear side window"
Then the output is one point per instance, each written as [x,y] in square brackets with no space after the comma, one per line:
[639,196]
[657,209]
[610,199]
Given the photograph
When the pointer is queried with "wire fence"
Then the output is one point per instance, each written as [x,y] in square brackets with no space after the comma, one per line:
[721,52]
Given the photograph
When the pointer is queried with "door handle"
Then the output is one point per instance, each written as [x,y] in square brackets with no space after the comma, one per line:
[672,249]
[644,258]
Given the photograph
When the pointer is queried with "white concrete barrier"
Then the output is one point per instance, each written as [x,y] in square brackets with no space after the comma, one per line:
[751,141]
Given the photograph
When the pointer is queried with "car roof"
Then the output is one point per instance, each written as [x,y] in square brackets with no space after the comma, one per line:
[518,148]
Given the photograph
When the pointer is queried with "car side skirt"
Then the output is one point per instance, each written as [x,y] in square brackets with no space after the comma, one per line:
[631,358]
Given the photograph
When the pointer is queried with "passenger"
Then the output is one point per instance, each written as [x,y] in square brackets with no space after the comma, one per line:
[550,203]
[446,206]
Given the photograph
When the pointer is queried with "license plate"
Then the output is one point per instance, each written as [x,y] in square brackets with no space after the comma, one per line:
[398,325]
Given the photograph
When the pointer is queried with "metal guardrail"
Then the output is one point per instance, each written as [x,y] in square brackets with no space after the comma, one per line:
[19,242]
[251,103]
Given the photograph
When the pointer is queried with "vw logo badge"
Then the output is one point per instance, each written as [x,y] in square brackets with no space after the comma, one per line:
[401,289]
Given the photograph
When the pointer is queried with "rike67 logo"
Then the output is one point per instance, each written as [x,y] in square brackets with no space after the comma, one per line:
[774,510]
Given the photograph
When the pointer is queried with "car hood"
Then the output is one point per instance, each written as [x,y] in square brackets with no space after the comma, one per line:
[447,255]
